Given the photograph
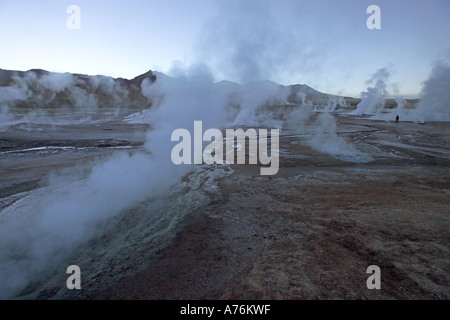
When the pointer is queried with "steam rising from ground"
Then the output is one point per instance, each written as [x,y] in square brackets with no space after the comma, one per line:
[434,102]
[323,135]
[246,43]
[252,96]
[43,226]
[373,99]
[435,96]
[325,138]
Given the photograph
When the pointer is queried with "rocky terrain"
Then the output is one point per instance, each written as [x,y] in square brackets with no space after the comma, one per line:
[225,232]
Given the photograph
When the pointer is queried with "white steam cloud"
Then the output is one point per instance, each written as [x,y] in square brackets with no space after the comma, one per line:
[435,97]
[249,41]
[434,102]
[325,139]
[45,225]
[373,99]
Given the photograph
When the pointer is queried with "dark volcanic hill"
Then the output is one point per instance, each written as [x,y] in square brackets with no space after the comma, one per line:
[37,88]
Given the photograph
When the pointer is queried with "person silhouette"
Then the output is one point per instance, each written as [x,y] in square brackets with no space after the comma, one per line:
[396,119]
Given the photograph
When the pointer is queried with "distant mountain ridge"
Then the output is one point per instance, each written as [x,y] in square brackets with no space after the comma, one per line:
[45,89]
[6,76]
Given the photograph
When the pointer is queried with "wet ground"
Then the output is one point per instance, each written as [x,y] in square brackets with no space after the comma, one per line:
[225,232]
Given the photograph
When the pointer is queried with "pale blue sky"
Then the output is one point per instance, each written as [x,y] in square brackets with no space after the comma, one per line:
[322,43]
